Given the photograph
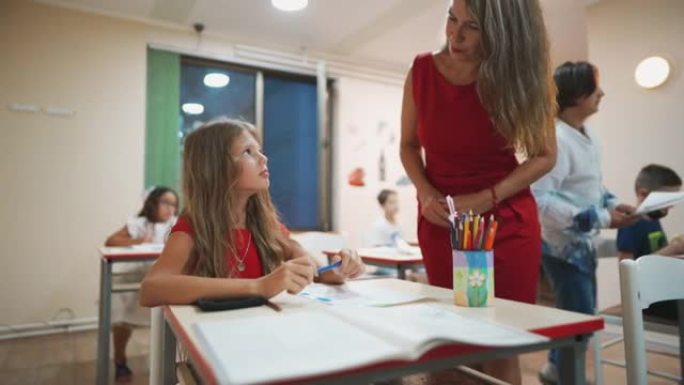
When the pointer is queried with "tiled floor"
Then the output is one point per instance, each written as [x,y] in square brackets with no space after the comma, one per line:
[65,359]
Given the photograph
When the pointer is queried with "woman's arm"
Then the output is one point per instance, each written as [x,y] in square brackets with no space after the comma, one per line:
[433,204]
[166,283]
[521,177]
[122,238]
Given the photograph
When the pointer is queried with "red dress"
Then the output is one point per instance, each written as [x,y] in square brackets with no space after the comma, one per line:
[464,154]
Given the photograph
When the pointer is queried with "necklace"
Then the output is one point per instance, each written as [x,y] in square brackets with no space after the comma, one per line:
[241,261]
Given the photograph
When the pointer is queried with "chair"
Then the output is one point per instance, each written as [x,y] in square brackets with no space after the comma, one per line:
[315,242]
[647,280]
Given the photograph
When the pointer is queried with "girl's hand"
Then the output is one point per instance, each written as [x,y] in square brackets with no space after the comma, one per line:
[433,206]
[352,266]
[293,276]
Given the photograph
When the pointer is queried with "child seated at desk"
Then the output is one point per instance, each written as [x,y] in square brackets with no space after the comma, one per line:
[228,241]
[647,236]
[150,226]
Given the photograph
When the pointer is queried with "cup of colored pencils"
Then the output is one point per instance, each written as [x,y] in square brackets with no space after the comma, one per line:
[472,244]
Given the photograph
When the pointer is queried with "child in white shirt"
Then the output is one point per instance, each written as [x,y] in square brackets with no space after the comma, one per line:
[152,225]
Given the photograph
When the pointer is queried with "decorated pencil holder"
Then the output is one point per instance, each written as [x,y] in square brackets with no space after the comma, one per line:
[473,277]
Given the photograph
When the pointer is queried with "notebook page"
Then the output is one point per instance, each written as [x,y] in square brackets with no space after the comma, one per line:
[287,346]
[420,327]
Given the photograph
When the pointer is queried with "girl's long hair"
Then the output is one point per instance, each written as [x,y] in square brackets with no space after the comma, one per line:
[515,81]
[209,176]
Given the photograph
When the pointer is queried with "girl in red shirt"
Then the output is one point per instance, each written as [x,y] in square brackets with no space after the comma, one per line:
[228,241]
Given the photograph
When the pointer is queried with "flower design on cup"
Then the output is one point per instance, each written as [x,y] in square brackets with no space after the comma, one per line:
[476,279]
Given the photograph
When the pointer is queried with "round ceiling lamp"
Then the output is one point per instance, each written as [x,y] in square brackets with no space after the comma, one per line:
[216,80]
[290,5]
[652,72]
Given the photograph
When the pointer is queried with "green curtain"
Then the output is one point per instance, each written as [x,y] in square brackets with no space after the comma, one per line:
[162,146]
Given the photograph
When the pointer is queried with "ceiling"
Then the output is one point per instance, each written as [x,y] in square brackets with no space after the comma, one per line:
[379,33]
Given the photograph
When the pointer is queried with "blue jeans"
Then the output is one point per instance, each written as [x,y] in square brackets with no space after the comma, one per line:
[575,289]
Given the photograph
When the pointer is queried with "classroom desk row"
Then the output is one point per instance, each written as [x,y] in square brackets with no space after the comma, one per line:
[566,330]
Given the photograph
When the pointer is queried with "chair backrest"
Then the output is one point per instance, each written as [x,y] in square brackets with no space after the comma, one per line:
[649,279]
[315,242]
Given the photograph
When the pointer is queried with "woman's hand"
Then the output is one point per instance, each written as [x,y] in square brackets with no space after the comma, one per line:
[478,203]
[433,206]
[293,276]
[351,267]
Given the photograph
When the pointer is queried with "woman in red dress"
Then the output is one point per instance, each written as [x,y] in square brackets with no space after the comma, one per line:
[470,107]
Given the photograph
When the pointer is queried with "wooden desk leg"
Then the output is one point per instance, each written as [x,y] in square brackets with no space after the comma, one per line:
[104,321]
[571,362]
[168,350]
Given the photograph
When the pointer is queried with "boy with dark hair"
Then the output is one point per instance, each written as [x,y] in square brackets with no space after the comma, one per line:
[647,236]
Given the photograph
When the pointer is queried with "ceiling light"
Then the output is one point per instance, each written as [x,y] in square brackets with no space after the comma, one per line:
[290,5]
[216,80]
[652,72]
[192,108]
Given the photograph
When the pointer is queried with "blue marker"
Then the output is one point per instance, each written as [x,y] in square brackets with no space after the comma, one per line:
[329,267]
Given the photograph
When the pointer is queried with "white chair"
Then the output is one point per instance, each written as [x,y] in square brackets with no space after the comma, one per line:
[647,280]
[315,242]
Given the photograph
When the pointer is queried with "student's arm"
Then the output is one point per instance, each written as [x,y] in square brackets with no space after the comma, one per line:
[123,238]
[433,204]
[625,255]
[555,208]
[676,248]
[166,284]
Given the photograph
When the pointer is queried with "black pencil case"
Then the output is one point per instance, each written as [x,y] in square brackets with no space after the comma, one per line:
[217,304]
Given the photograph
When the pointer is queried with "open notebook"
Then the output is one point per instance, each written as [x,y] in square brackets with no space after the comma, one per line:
[257,349]
[657,200]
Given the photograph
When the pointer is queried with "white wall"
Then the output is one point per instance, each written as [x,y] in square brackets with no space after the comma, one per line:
[65,182]
[638,126]
[367,122]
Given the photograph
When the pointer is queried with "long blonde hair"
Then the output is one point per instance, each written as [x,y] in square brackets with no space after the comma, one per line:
[209,175]
[515,80]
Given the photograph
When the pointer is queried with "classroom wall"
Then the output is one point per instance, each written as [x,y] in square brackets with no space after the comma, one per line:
[368,128]
[65,181]
[638,126]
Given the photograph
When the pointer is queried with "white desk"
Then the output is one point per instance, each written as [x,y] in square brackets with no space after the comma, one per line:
[567,331]
[109,256]
[388,257]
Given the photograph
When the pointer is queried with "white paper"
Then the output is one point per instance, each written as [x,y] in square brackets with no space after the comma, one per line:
[423,326]
[265,348]
[251,350]
[657,200]
[344,295]
[408,254]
